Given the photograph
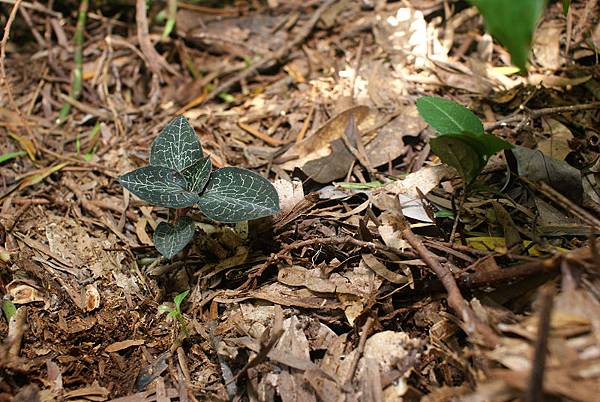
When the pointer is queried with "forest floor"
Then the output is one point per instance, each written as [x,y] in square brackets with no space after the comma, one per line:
[381,279]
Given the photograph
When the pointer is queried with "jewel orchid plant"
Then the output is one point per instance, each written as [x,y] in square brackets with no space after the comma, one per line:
[179,176]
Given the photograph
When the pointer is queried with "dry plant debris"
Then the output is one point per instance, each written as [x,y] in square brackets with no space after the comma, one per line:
[381,278]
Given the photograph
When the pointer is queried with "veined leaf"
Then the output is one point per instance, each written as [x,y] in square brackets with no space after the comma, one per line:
[234,195]
[512,23]
[197,175]
[160,186]
[171,239]
[177,146]
[447,116]
[458,154]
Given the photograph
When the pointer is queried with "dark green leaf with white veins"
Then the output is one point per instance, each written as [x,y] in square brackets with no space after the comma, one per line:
[160,186]
[171,239]
[234,195]
[197,175]
[447,116]
[177,146]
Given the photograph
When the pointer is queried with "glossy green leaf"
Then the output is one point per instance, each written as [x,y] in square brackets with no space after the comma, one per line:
[447,116]
[171,239]
[234,195]
[177,146]
[197,175]
[512,22]
[160,186]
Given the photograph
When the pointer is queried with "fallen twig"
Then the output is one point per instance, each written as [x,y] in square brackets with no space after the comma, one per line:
[535,388]
[155,60]
[473,325]
[258,271]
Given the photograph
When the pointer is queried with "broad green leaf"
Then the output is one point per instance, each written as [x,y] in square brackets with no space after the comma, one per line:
[512,22]
[197,175]
[481,146]
[160,186]
[179,299]
[486,145]
[234,194]
[177,146]
[447,116]
[171,239]
[458,154]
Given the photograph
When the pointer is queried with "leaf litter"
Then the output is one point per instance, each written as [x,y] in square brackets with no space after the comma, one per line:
[380,279]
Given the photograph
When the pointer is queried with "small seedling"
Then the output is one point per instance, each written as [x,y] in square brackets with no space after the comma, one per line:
[180,176]
[175,311]
[461,141]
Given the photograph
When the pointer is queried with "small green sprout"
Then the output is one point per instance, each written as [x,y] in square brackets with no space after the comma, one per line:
[175,311]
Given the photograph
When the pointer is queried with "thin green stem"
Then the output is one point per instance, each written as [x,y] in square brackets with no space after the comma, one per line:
[77,78]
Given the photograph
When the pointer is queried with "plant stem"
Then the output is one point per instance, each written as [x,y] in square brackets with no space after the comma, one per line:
[77,78]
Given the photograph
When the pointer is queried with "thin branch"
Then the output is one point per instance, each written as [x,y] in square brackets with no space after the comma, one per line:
[473,325]
[535,388]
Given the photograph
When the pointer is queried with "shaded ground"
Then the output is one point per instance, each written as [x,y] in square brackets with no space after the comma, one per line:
[338,297]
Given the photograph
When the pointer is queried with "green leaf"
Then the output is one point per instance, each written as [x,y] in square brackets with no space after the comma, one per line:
[467,152]
[179,299]
[159,186]
[458,154]
[233,195]
[566,5]
[11,155]
[512,22]
[486,145]
[9,309]
[447,116]
[171,239]
[197,175]
[177,146]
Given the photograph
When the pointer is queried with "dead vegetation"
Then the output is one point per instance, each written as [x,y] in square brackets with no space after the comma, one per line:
[381,279]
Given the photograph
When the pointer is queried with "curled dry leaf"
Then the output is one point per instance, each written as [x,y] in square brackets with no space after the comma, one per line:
[325,148]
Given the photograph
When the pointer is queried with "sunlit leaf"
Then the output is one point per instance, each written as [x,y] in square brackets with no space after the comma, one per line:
[447,116]
[160,186]
[177,146]
[234,194]
[171,239]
